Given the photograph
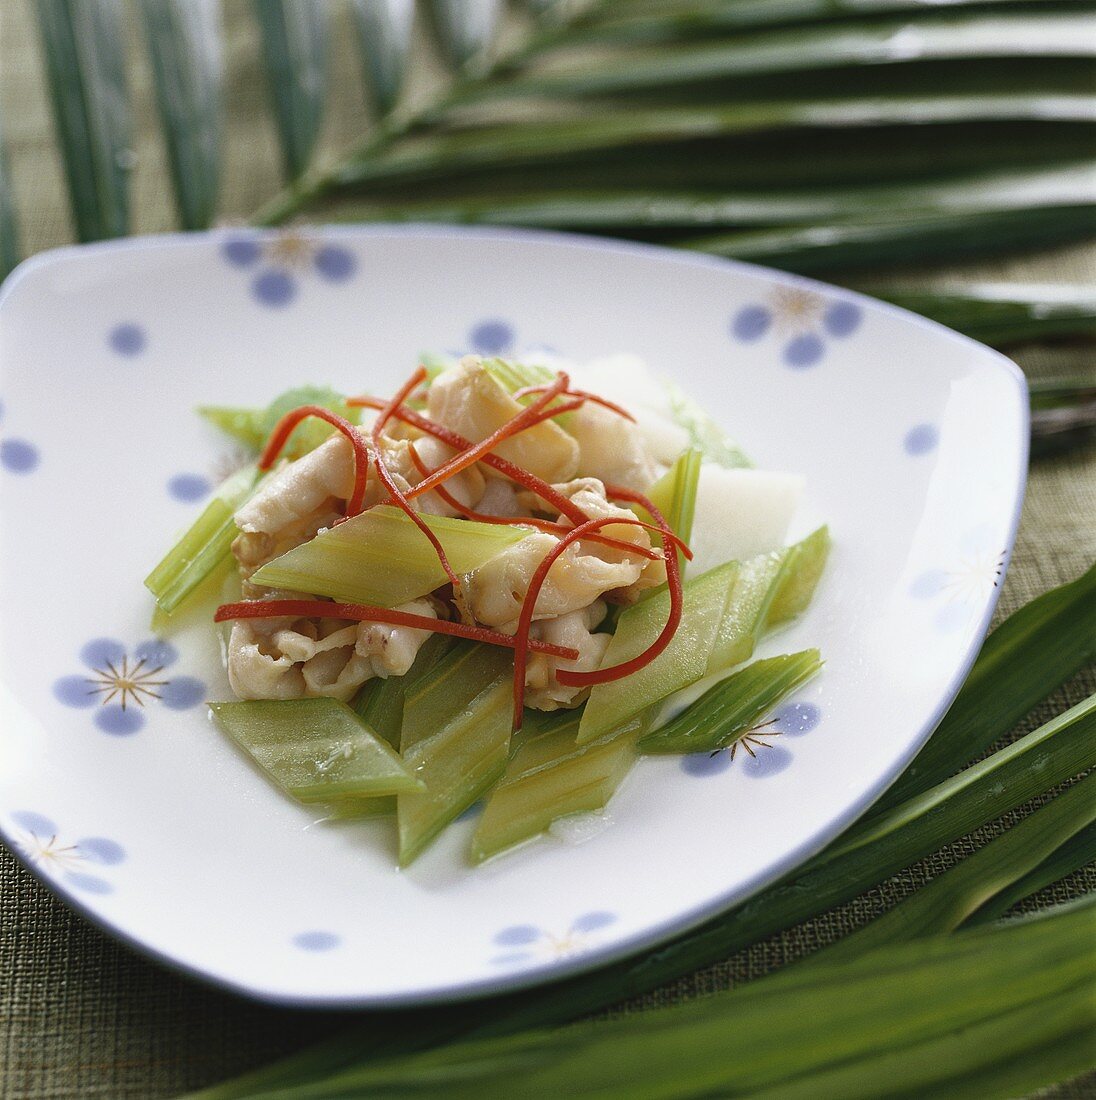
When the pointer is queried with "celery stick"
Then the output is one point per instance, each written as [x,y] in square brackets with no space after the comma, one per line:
[456,764]
[734,705]
[769,589]
[252,426]
[381,557]
[452,685]
[683,662]
[516,376]
[380,702]
[204,546]
[704,432]
[200,603]
[316,749]
[359,809]
[580,781]
[674,495]
[800,576]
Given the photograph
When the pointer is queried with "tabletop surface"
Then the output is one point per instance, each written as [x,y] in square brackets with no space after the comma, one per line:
[80,1015]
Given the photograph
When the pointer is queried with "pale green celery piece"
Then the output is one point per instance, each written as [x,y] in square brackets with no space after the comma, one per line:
[252,426]
[380,702]
[734,705]
[800,577]
[317,750]
[747,607]
[435,700]
[213,590]
[516,376]
[674,495]
[360,809]
[704,433]
[565,779]
[204,546]
[681,663]
[380,557]
[457,764]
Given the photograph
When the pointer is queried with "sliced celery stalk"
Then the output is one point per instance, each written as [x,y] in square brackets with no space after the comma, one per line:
[214,589]
[733,705]
[683,662]
[360,809]
[549,778]
[674,495]
[380,702]
[516,376]
[437,699]
[381,557]
[456,765]
[704,432]
[204,546]
[800,576]
[252,426]
[316,749]
[769,590]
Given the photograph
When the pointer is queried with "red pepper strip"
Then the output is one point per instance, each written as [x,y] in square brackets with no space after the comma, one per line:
[284,429]
[471,455]
[604,402]
[528,606]
[504,466]
[389,483]
[528,521]
[360,612]
[673,582]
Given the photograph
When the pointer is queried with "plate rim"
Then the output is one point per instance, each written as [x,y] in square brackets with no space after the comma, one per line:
[629,946]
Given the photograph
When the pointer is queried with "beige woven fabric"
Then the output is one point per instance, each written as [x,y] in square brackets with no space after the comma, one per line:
[81,1016]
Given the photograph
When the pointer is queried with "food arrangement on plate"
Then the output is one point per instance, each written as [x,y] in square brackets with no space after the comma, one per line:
[505,582]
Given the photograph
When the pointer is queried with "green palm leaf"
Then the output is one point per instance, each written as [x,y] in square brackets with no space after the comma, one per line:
[184,44]
[82,45]
[460,28]
[295,39]
[9,234]
[999,34]
[384,30]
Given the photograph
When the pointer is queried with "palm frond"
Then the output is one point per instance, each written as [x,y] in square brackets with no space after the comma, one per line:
[85,66]
[460,28]
[9,233]
[384,32]
[184,44]
[295,41]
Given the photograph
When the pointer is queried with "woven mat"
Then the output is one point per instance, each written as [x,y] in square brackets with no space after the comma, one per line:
[81,1016]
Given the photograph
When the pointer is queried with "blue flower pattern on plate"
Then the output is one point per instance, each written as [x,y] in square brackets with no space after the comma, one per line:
[17,456]
[492,337]
[127,339]
[280,261]
[316,940]
[121,684]
[802,318]
[921,439]
[964,584]
[529,942]
[792,718]
[43,846]
[189,487]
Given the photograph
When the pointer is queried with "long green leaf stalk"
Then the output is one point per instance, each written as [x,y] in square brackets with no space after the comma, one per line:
[85,64]
[9,235]
[1007,1007]
[1036,763]
[184,44]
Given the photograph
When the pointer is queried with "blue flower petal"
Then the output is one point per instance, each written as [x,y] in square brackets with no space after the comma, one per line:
[182,692]
[706,763]
[241,251]
[99,849]
[921,439]
[18,456]
[316,941]
[591,922]
[767,762]
[335,263]
[511,958]
[101,652]
[90,884]
[274,288]
[518,935]
[930,583]
[803,351]
[127,339]
[156,653]
[842,319]
[75,691]
[189,487]
[796,718]
[751,323]
[492,337]
[38,824]
[121,723]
